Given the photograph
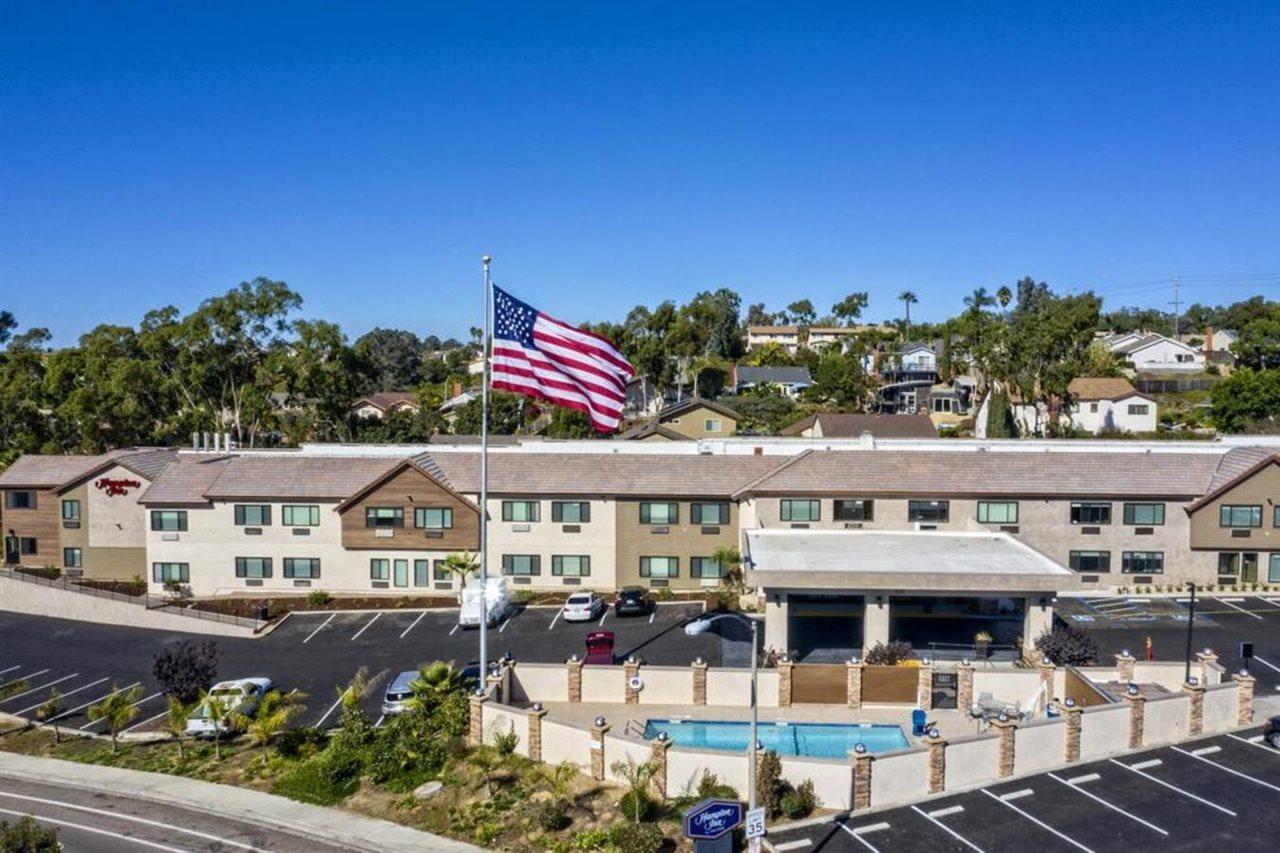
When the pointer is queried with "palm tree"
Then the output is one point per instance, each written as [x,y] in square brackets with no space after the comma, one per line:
[49,712]
[637,777]
[434,683]
[219,708]
[461,564]
[1004,296]
[730,560]
[559,779]
[117,710]
[908,299]
[360,686]
[979,299]
[271,717]
[179,713]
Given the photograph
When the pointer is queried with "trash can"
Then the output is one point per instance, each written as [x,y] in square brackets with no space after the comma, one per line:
[261,613]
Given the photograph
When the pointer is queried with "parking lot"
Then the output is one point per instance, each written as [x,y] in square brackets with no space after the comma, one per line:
[1219,792]
[1222,622]
[315,653]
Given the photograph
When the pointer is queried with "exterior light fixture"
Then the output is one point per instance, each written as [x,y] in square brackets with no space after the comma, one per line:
[1124,652]
[860,748]
[600,722]
[1133,689]
[663,737]
[1193,681]
[1070,703]
[964,661]
[933,733]
[1004,718]
[537,706]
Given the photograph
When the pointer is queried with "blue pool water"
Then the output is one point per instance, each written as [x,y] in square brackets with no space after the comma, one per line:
[822,740]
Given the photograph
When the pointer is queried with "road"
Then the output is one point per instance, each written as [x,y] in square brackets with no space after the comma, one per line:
[102,823]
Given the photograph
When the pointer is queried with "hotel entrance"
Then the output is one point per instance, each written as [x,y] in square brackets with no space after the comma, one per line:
[947,626]
[825,628]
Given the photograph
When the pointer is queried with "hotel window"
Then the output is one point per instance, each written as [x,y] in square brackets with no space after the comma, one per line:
[997,512]
[521,511]
[302,567]
[19,500]
[1238,563]
[706,567]
[433,518]
[928,511]
[854,510]
[1275,519]
[300,516]
[711,425]
[384,516]
[702,513]
[440,571]
[659,567]
[402,572]
[379,569]
[28,545]
[1273,570]
[1142,562]
[1144,515]
[570,566]
[521,565]
[72,558]
[1084,512]
[421,572]
[1090,562]
[652,512]
[171,572]
[169,519]
[253,515]
[570,512]
[795,510]
[1240,516]
[253,567]
[70,510]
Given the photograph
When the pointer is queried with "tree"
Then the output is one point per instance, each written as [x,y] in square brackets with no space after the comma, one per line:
[730,560]
[1247,401]
[1004,296]
[436,681]
[321,378]
[357,689]
[638,777]
[118,710]
[1067,645]
[27,836]
[839,380]
[849,309]
[176,719]
[506,415]
[1258,345]
[1000,420]
[7,325]
[769,783]
[274,712]
[185,669]
[907,298]
[394,357]
[802,312]
[49,713]
[219,710]
[461,564]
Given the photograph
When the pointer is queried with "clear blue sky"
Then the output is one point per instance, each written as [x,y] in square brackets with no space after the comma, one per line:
[609,153]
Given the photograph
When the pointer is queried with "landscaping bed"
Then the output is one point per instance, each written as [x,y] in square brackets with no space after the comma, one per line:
[137,590]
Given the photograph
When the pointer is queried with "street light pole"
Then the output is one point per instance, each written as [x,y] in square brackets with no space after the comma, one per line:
[1191,621]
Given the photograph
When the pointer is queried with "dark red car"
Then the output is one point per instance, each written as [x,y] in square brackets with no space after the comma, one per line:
[599,648]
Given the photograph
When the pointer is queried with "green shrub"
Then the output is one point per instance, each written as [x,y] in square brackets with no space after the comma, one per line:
[27,836]
[323,780]
[665,593]
[710,786]
[800,802]
[524,596]
[318,598]
[636,838]
[551,817]
[628,805]
[408,751]
[301,743]
[590,839]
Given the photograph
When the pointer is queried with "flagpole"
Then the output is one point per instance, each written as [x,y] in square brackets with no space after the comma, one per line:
[484,481]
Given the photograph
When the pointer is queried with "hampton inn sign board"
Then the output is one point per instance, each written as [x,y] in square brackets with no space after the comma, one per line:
[711,819]
[116,487]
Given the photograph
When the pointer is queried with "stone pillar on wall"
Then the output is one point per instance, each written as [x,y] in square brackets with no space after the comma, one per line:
[964,686]
[598,730]
[658,756]
[875,622]
[1244,698]
[853,683]
[1075,715]
[1006,732]
[924,685]
[475,729]
[1124,667]
[535,730]
[937,762]
[573,667]
[860,797]
[1208,661]
[631,669]
[1195,710]
[699,668]
[785,666]
[1137,716]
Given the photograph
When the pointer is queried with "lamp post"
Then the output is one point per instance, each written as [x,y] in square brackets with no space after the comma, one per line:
[1191,621]
[701,626]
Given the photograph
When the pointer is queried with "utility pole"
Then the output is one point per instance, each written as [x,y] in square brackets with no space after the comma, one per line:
[1176,303]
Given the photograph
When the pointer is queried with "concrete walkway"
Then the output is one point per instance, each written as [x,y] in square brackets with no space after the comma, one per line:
[330,827]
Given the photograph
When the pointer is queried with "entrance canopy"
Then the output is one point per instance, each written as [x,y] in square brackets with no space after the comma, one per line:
[930,561]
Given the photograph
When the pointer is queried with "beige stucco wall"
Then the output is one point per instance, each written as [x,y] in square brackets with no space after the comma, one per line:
[685,768]
[832,778]
[1006,685]
[603,684]
[1220,707]
[620,748]
[596,539]
[499,720]
[112,531]
[1040,745]
[970,762]
[1165,719]
[666,685]
[540,682]
[562,742]
[900,778]
[1104,730]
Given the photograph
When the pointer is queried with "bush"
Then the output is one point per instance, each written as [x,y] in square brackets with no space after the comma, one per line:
[889,655]
[769,783]
[636,838]
[627,805]
[800,802]
[318,598]
[323,780]
[1067,645]
[300,743]
[185,670]
[524,596]
[551,817]
[27,836]
[408,751]
[665,594]
[590,839]
[710,786]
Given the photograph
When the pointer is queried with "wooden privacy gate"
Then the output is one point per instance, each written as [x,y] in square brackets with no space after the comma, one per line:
[819,684]
[891,684]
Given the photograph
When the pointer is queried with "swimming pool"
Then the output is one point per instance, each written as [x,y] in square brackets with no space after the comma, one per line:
[822,740]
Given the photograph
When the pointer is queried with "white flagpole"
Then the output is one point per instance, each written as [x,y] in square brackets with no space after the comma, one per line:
[484,481]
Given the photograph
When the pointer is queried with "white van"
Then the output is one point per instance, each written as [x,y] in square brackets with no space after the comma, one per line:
[497,601]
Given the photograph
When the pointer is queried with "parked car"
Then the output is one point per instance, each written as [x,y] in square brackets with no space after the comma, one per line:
[633,601]
[1271,731]
[239,696]
[583,607]
[396,698]
[497,601]
[599,648]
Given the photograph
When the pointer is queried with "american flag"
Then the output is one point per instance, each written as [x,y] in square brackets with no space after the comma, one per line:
[537,355]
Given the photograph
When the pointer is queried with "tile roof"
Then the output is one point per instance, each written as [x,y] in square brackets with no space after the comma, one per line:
[54,471]
[691,403]
[1100,388]
[943,472]
[186,481]
[852,425]
[386,399]
[783,375]
[651,428]
[195,480]
[1237,461]
[772,330]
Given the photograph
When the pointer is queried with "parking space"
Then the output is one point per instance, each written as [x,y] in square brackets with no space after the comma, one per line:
[29,688]
[1219,791]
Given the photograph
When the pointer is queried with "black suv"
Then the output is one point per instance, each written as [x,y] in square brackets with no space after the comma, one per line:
[634,601]
[1271,731]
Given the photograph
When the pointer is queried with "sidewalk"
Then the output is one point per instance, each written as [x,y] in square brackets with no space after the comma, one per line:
[330,826]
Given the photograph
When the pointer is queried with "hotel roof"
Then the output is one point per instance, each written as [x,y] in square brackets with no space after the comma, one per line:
[55,472]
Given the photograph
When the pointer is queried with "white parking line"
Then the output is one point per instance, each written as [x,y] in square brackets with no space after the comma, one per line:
[651,615]
[456,627]
[554,620]
[1144,765]
[1037,821]
[1101,801]
[1017,795]
[337,702]
[10,669]
[1275,788]
[1267,663]
[1241,609]
[1080,780]
[64,695]
[858,837]
[94,830]
[134,705]
[71,711]
[381,719]
[41,687]
[320,628]
[1272,601]
[1206,750]
[220,839]
[504,624]
[933,816]
[163,713]
[415,622]
[604,616]
[357,634]
[793,845]
[1151,778]
[1256,740]
[23,678]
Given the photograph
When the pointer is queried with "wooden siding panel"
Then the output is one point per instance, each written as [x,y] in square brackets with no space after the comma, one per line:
[43,523]
[409,489]
[1262,489]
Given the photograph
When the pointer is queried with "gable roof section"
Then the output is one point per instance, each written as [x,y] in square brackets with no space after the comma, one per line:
[1233,476]
[691,403]
[1087,388]
[185,482]
[424,464]
[651,428]
[852,425]
[63,471]
[386,399]
[1149,341]
[781,375]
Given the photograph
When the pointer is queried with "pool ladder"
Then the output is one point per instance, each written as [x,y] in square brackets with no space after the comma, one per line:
[634,729]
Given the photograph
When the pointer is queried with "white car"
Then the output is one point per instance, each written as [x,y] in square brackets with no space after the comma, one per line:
[583,607]
[241,695]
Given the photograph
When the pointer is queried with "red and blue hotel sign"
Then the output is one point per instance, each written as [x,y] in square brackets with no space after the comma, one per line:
[711,819]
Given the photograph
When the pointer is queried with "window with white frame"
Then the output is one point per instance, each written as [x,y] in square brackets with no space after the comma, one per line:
[300,515]
[655,512]
[433,518]
[570,566]
[800,510]
[521,511]
[253,567]
[659,567]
